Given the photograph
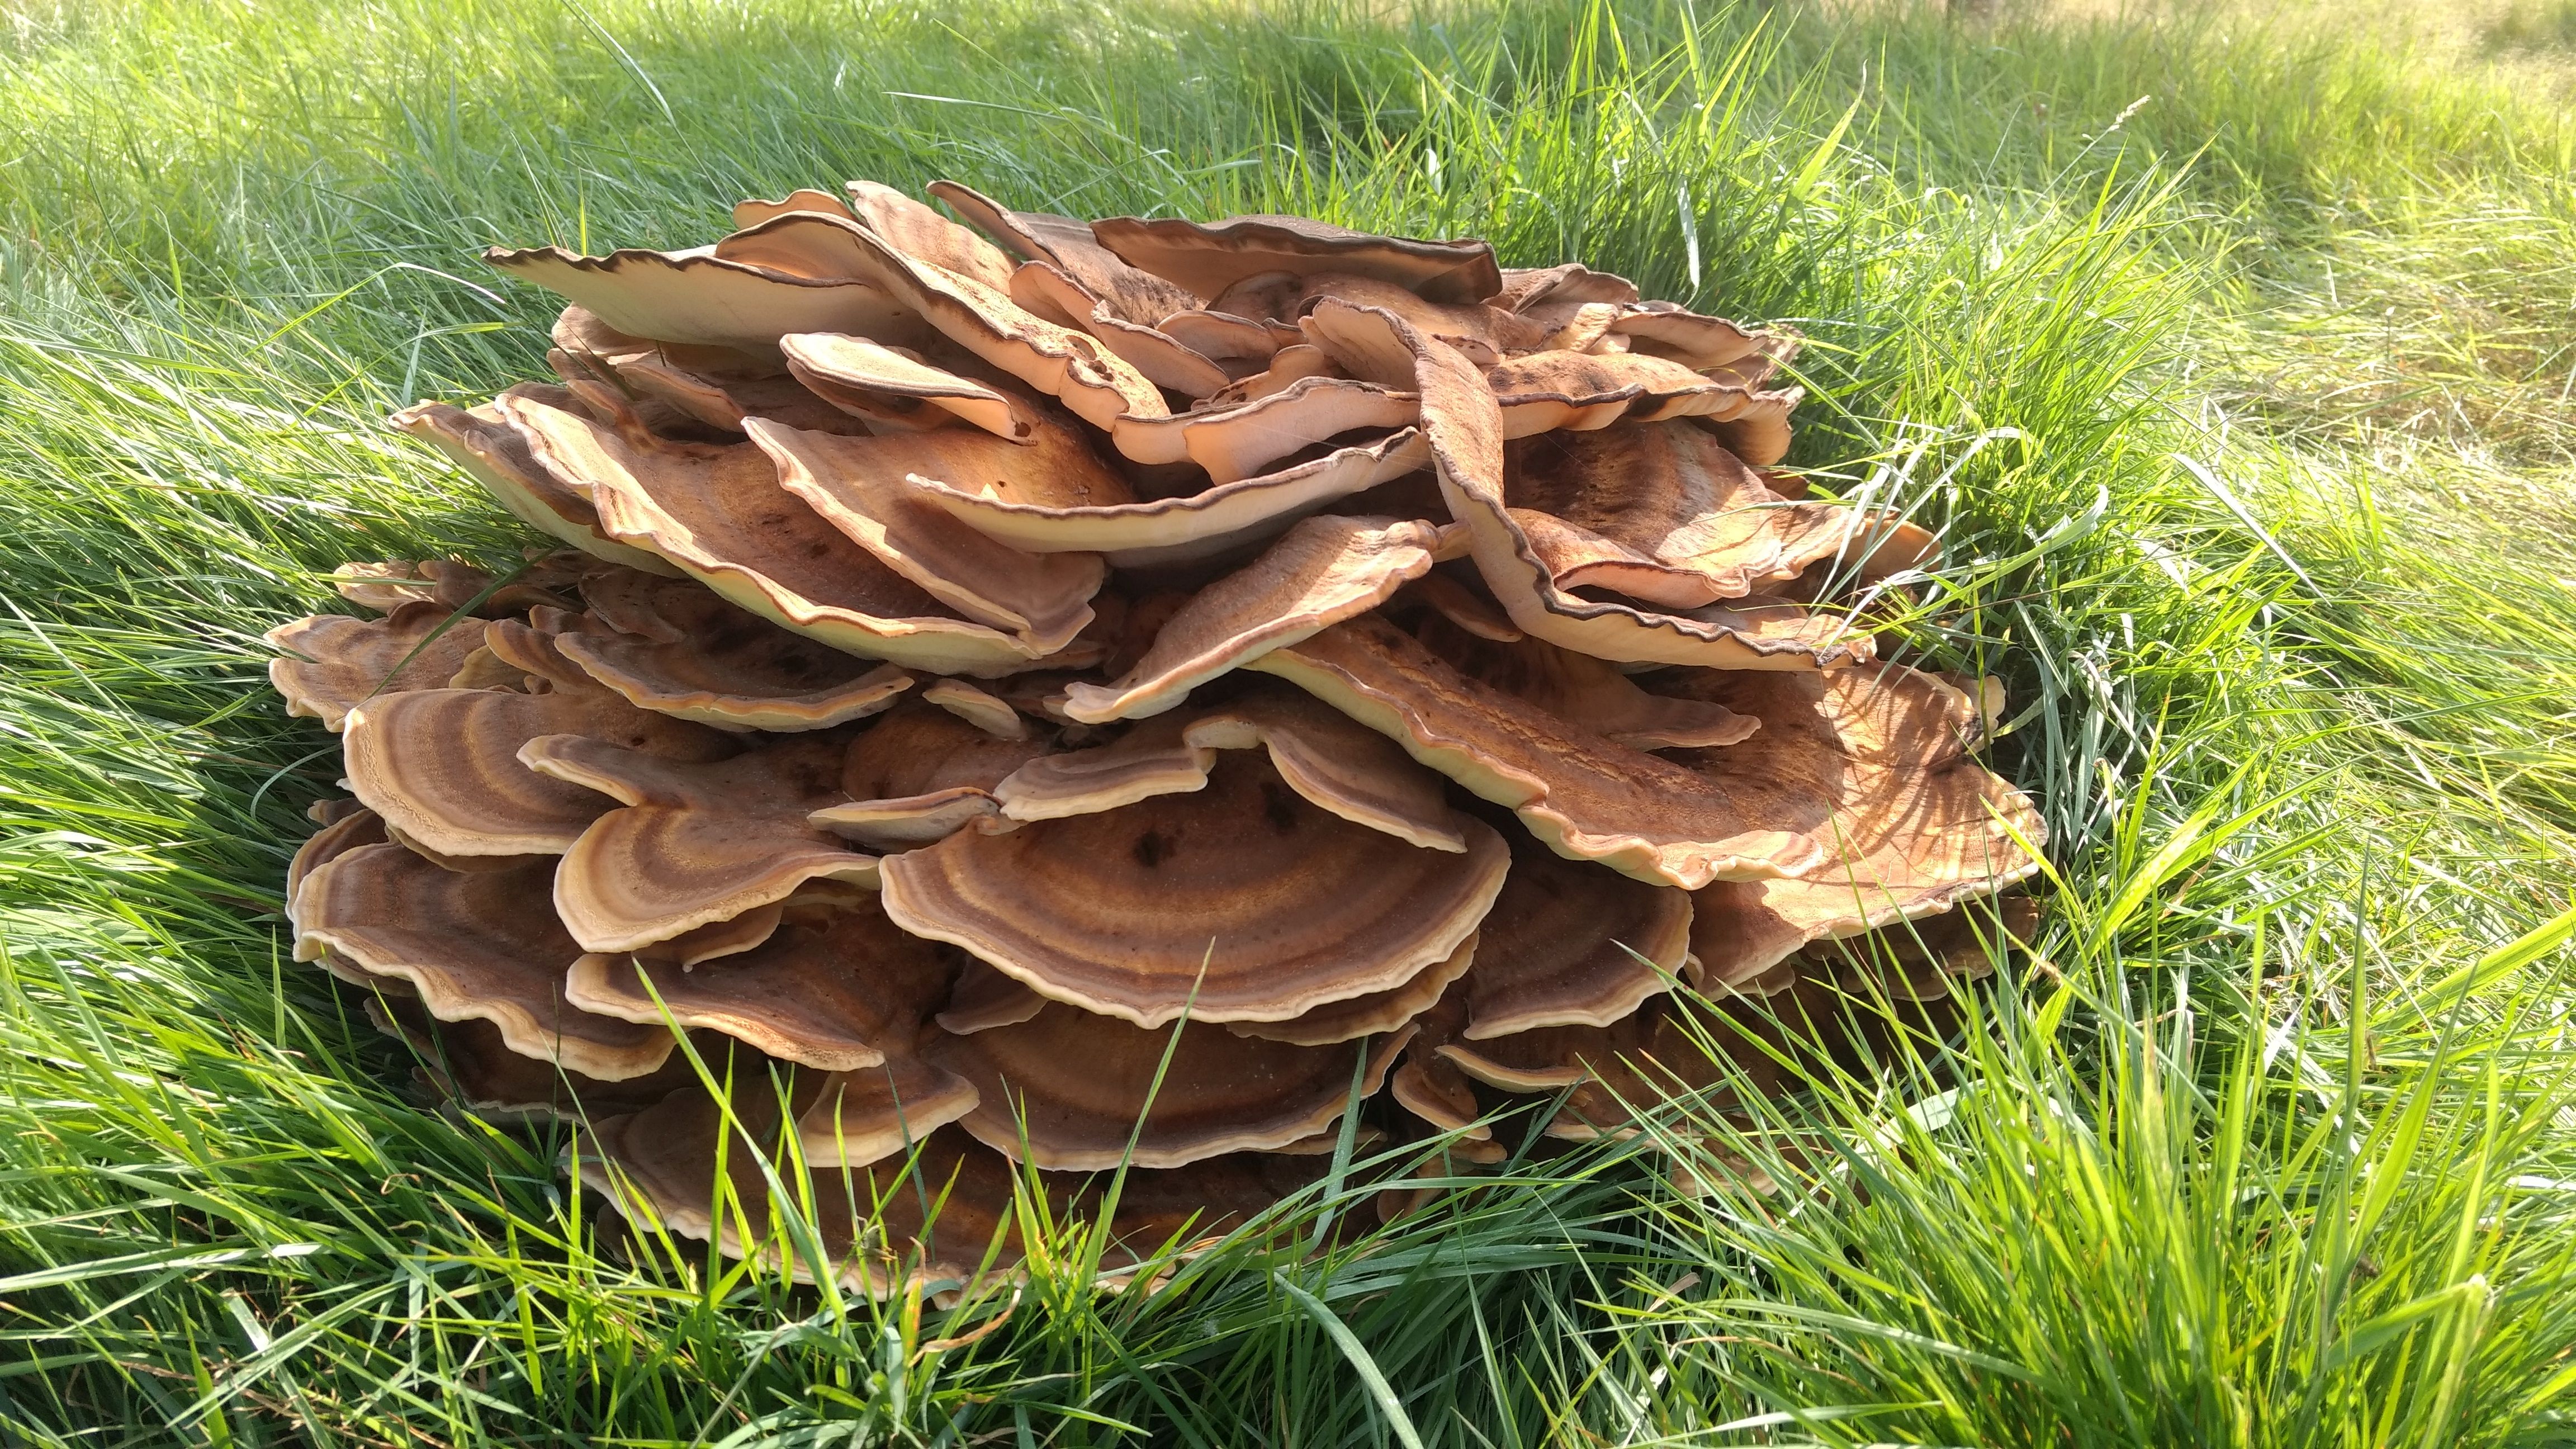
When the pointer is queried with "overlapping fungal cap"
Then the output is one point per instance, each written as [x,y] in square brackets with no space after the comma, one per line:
[1028,696]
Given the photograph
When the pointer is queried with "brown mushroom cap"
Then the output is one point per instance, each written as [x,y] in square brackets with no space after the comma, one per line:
[716,386]
[477,945]
[934,1214]
[919,775]
[1359,1016]
[1240,440]
[739,672]
[1209,258]
[1078,1085]
[700,296]
[1663,513]
[1240,902]
[1287,367]
[1321,571]
[1136,296]
[1547,391]
[753,211]
[1573,944]
[720,514]
[1463,420]
[1047,291]
[1918,824]
[1529,289]
[1194,526]
[663,1164]
[467,1063]
[442,765]
[493,454]
[1660,329]
[698,841]
[985,998]
[1584,796]
[875,382]
[1585,692]
[918,231]
[862,487]
[867,1116]
[841,993]
[455,585]
[1326,757]
[347,661]
[358,826]
[1095,384]
[989,713]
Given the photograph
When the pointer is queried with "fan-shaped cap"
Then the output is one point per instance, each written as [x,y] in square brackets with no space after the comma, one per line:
[1240,440]
[697,842]
[1585,692]
[920,774]
[1923,959]
[752,211]
[1047,291]
[989,713]
[1545,391]
[934,1214]
[1078,1085]
[716,386]
[880,384]
[1468,610]
[985,998]
[467,1063]
[700,296]
[1329,759]
[480,944]
[1918,824]
[1484,332]
[1237,343]
[863,487]
[1663,513]
[1567,286]
[332,662]
[1320,572]
[1243,901]
[1573,945]
[1464,424]
[1196,526]
[493,454]
[1359,1016]
[719,513]
[1652,1053]
[1660,329]
[1288,366]
[1135,296]
[869,1115]
[1096,385]
[737,671]
[841,993]
[359,826]
[922,233]
[1209,258]
[455,585]
[1581,794]
[665,1164]
[442,765]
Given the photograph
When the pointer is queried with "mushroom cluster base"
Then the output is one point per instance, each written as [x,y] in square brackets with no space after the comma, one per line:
[1019,693]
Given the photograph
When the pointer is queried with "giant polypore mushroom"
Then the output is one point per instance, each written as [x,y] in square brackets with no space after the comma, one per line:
[1143,694]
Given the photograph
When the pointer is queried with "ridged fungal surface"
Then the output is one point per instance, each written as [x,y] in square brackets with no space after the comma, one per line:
[1025,695]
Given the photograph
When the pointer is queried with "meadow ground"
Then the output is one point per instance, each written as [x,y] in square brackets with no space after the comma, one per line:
[2234,347]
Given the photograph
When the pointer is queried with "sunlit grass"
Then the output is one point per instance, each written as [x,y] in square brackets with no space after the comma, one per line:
[2243,410]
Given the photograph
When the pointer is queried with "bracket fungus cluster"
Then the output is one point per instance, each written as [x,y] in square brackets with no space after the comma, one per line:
[1021,696]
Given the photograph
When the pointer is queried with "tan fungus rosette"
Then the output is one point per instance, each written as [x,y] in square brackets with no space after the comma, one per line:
[1015,698]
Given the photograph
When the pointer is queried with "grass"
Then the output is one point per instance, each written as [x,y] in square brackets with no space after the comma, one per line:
[2231,346]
